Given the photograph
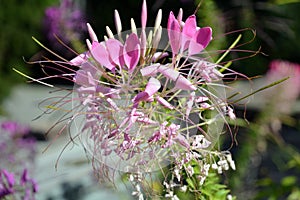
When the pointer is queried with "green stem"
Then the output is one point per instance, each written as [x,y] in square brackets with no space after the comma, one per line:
[261,89]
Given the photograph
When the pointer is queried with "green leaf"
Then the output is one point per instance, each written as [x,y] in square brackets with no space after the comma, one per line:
[265,182]
[288,181]
[222,194]
[191,183]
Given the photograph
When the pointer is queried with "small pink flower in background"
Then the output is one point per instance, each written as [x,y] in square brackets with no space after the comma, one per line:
[286,93]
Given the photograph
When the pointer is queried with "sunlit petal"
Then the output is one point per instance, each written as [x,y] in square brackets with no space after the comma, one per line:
[132,51]
[200,40]
[101,55]
[174,33]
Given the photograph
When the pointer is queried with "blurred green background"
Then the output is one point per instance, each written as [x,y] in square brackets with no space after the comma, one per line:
[277,32]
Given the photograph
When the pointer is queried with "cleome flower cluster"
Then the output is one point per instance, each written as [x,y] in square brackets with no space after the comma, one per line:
[149,97]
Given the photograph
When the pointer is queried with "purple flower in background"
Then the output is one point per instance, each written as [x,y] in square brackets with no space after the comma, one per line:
[10,187]
[17,158]
[7,182]
[15,138]
[66,21]
[29,184]
[14,128]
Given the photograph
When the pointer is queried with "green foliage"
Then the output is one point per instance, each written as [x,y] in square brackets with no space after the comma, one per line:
[212,189]
[284,1]
[287,188]
[207,9]
[265,162]
[20,20]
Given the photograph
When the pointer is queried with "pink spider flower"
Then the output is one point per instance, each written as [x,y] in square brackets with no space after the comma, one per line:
[139,105]
[132,104]
[187,35]
[112,53]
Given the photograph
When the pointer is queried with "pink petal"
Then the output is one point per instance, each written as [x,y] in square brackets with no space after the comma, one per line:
[169,72]
[101,55]
[10,177]
[184,84]
[189,104]
[174,33]
[164,102]
[180,14]
[78,60]
[112,104]
[141,96]
[159,55]
[24,177]
[115,50]
[206,106]
[204,36]
[86,90]
[146,120]
[188,31]
[132,51]
[150,70]
[118,22]
[109,92]
[155,137]
[143,43]
[88,67]
[200,40]
[84,78]
[144,14]
[201,99]
[152,86]
[92,34]
[183,141]
[35,187]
